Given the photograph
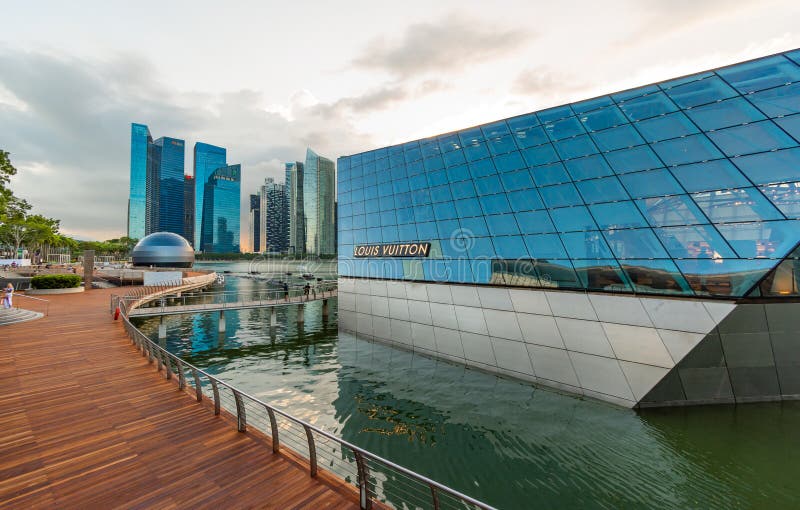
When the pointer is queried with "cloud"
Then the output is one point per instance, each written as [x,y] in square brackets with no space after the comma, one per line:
[544,82]
[68,131]
[451,44]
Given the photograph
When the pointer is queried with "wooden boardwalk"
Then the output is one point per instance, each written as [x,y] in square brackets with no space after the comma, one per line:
[86,422]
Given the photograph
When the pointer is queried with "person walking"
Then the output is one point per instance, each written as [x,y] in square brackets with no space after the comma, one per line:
[306,290]
[285,291]
[8,294]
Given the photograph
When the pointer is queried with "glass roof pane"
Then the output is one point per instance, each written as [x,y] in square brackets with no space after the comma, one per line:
[652,183]
[671,210]
[761,74]
[604,275]
[655,277]
[695,242]
[771,167]
[746,204]
[665,127]
[689,149]
[586,245]
[635,244]
[648,106]
[700,92]
[786,197]
[757,137]
[723,277]
[731,112]
[712,175]
[767,239]
[778,101]
[617,215]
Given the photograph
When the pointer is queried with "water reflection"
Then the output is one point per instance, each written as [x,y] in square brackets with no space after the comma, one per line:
[510,444]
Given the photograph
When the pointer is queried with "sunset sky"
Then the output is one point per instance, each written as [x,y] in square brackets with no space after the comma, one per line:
[267,79]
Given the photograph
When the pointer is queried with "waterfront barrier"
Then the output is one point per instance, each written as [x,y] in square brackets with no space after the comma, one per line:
[379,481]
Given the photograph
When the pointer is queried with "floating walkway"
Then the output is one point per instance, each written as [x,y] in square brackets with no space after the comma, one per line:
[88,423]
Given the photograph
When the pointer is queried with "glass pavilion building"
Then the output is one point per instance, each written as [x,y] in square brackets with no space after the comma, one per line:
[640,247]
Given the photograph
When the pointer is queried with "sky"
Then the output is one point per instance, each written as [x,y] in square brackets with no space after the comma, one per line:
[266,79]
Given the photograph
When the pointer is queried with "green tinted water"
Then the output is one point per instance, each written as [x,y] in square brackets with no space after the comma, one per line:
[509,444]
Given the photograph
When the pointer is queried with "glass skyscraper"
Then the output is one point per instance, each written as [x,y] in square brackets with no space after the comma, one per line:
[294,194]
[221,207]
[164,207]
[274,209]
[207,158]
[137,199]
[319,181]
[255,223]
[637,247]
[188,208]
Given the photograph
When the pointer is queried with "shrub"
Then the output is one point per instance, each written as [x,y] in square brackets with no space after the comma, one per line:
[55,281]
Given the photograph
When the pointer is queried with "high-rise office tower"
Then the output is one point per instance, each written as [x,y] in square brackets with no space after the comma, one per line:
[164,186]
[220,217]
[207,159]
[137,199]
[274,217]
[294,195]
[188,208]
[255,223]
[319,192]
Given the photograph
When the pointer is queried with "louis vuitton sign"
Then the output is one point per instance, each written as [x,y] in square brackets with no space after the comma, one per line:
[392,250]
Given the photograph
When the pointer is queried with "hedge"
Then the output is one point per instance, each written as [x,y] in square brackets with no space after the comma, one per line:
[55,281]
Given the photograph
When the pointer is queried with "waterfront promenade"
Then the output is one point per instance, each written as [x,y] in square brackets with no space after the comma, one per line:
[87,423]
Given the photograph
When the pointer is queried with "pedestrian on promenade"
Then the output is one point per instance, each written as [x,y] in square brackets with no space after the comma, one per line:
[306,290]
[8,294]
[285,291]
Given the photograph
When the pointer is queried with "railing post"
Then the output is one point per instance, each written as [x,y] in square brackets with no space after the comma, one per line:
[158,357]
[276,444]
[434,497]
[149,353]
[363,481]
[198,389]
[312,451]
[241,417]
[181,376]
[167,364]
[215,390]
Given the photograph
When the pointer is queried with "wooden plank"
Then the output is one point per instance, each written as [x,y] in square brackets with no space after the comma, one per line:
[88,423]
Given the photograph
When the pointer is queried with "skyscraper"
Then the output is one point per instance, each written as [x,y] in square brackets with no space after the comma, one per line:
[137,198]
[207,159]
[319,190]
[188,208]
[164,186]
[220,218]
[274,217]
[294,194]
[255,223]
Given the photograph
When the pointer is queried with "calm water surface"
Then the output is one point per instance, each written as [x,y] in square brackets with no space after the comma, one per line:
[509,444]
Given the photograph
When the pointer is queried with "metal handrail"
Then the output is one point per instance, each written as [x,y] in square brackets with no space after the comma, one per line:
[45,301]
[434,491]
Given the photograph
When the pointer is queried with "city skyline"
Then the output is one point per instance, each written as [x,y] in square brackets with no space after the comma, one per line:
[394,81]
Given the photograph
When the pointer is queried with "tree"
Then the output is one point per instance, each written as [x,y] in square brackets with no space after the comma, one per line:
[6,171]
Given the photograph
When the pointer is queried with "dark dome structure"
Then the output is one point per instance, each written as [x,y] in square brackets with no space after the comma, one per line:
[163,249]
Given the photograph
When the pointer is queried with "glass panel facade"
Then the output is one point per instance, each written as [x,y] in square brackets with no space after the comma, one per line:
[207,158]
[220,228]
[689,187]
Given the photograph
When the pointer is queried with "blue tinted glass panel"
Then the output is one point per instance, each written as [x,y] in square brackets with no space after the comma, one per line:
[522,122]
[591,104]
[454,158]
[617,138]
[648,106]
[786,197]
[696,242]
[476,150]
[602,119]
[685,79]
[441,194]
[772,167]
[513,181]
[770,239]
[434,163]
[672,210]
[758,137]
[746,204]
[651,183]
[502,224]
[731,112]
[617,215]
[545,246]
[575,147]
[474,227]
[730,277]
[713,175]
[481,247]
[560,196]
[488,185]
[509,162]
[690,149]
[557,273]
[633,160]
[605,275]
[510,247]
[495,204]
[444,211]
[541,155]
[470,136]
[669,126]
[495,129]
[635,244]
[701,92]
[588,168]
[655,277]
[530,137]
[586,245]
[534,222]
[462,189]
[550,174]
[640,91]
[502,145]
[606,189]
[482,168]
[525,200]
[569,219]
[407,232]
[794,56]
[467,207]
[761,74]
[552,114]
[791,125]
[778,101]
[564,128]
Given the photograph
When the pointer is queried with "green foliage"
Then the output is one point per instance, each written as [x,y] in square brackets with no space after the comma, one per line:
[55,281]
